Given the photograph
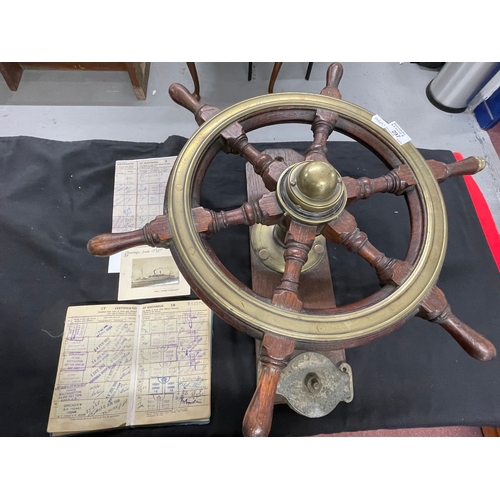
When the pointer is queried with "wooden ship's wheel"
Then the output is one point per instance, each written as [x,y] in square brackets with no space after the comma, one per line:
[295,203]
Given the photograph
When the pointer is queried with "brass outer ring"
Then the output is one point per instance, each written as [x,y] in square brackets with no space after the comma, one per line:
[258,315]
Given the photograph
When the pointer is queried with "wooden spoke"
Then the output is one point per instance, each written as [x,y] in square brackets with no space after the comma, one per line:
[468,166]
[345,231]
[397,181]
[275,353]
[324,121]
[234,138]
[298,241]
[156,233]
[400,179]
[265,210]
[435,308]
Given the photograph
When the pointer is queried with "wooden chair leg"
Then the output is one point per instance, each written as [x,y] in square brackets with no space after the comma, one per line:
[274,75]
[139,76]
[194,75]
[12,73]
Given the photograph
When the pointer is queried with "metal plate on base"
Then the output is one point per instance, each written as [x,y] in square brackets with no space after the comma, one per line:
[313,386]
[270,252]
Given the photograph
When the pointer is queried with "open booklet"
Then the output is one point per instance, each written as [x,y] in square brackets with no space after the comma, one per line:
[126,365]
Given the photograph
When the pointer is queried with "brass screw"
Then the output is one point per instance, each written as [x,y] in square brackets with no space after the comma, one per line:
[319,248]
[313,383]
[264,253]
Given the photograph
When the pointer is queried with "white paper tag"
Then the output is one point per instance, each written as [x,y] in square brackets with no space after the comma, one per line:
[379,121]
[398,133]
[393,128]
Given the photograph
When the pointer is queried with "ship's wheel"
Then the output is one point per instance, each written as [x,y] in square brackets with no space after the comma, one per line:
[303,202]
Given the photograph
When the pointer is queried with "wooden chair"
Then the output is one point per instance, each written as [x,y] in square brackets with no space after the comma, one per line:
[138,72]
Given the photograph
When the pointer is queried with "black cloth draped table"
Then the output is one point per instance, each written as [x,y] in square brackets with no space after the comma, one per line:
[55,196]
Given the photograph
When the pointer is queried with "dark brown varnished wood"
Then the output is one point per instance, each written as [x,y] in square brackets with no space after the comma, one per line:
[435,308]
[443,171]
[397,181]
[316,289]
[234,137]
[345,231]
[324,121]
[156,233]
[275,354]
[298,242]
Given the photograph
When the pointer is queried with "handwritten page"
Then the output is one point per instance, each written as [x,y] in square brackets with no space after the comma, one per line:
[132,365]
[173,378]
[138,195]
[93,377]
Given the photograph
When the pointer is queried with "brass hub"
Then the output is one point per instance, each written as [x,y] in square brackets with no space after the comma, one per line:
[312,192]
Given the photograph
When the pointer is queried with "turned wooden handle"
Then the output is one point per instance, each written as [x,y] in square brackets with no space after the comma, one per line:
[468,166]
[472,342]
[108,244]
[259,414]
[334,75]
[275,353]
[184,98]
[155,233]
[435,308]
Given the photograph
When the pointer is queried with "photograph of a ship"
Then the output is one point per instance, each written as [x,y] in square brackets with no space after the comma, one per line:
[154,272]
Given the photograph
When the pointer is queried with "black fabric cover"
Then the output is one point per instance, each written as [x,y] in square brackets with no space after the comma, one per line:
[55,196]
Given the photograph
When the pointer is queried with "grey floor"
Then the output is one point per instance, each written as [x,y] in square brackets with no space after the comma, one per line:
[74,105]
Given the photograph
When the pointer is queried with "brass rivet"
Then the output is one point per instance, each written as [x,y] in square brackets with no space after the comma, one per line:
[264,253]
[319,248]
[321,328]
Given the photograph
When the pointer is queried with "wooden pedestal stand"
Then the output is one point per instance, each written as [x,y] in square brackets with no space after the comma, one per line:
[316,289]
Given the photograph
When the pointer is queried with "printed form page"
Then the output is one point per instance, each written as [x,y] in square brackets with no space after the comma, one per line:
[173,369]
[93,378]
[132,365]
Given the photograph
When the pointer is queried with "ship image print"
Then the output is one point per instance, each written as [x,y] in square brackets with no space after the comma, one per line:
[154,272]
